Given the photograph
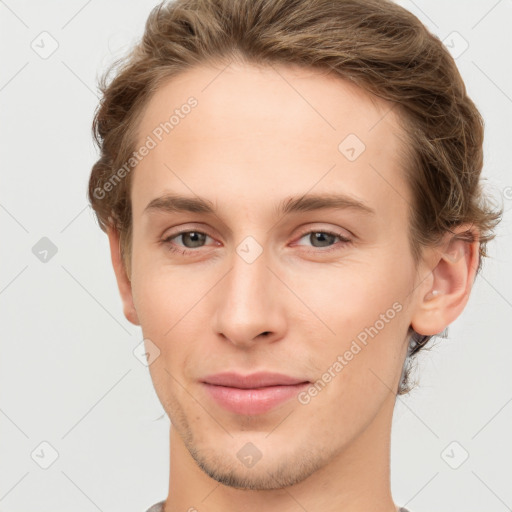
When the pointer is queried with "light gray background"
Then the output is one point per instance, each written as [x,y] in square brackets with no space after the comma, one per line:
[68,374]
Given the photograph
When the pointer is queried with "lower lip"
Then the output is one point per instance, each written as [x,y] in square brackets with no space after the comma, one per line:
[253,401]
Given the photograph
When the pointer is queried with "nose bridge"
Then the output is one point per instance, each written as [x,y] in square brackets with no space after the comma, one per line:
[247,283]
[247,305]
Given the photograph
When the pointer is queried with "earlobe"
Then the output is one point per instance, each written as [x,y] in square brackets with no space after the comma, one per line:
[453,271]
[123,282]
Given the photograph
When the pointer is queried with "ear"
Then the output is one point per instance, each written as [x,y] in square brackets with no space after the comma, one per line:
[123,282]
[454,264]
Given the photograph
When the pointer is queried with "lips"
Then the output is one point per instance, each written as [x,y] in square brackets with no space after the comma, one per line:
[253,394]
[252,381]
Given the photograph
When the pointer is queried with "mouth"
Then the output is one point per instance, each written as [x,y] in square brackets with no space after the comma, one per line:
[252,394]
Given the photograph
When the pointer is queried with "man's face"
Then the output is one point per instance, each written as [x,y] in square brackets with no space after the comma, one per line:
[257,137]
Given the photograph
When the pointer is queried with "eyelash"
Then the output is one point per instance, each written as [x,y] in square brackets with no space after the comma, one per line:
[172,248]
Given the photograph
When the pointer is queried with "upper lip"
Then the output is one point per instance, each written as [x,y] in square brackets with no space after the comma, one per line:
[252,381]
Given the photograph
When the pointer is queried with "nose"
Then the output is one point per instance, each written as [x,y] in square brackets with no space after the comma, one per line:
[249,304]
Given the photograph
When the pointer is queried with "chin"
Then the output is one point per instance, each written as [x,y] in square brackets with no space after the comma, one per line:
[268,472]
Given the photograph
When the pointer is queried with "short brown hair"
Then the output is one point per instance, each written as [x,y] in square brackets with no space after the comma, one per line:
[375,44]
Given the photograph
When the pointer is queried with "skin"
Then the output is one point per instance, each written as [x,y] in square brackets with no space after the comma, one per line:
[257,136]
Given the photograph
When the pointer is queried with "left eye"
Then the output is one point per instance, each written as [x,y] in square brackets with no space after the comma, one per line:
[323,238]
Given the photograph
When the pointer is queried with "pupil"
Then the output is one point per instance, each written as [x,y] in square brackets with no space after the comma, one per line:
[322,237]
[199,237]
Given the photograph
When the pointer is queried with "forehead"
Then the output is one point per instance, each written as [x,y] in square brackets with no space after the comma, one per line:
[264,132]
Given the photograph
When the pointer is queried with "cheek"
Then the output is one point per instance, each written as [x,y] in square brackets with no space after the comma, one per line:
[163,295]
[171,306]
[360,316]
[348,296]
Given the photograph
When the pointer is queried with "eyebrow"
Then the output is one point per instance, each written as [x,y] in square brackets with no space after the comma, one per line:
[174,203]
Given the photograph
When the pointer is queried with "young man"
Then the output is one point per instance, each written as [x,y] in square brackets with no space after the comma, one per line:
[290,191]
